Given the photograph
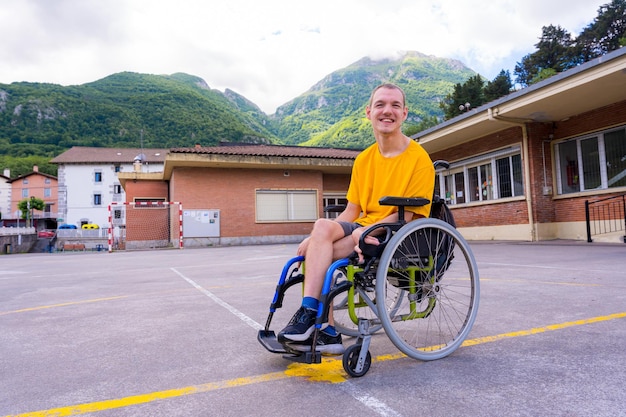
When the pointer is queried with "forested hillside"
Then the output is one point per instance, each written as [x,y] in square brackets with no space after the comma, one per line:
[39,121]
[332,112]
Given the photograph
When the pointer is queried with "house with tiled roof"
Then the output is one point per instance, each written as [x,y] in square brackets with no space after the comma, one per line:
[38,185]
[88,182]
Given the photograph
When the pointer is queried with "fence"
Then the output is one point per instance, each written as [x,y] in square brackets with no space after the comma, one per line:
[607,215]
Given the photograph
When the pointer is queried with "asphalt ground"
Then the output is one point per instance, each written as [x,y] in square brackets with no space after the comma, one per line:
[173,333]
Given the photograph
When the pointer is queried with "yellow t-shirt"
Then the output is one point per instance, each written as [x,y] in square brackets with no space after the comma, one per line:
[410,174]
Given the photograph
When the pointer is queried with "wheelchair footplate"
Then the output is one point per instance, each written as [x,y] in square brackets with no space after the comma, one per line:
[268,339]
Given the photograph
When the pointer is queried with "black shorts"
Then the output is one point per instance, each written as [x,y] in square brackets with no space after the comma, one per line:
[348,227]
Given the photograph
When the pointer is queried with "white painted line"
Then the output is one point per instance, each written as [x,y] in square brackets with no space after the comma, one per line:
[237,313]
[367,400]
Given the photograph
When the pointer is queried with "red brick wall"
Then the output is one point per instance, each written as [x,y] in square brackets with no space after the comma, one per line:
[336,183]
[599,119]
[232,191]
[146,189]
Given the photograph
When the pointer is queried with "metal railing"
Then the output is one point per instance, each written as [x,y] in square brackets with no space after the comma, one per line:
[607,215]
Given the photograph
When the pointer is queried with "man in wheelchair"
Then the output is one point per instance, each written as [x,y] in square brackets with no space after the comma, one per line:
[394,165]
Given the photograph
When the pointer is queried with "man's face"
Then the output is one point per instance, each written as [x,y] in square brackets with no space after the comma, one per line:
[387,110]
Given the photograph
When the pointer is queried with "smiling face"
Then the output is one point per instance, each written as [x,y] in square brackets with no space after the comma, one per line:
[387,110]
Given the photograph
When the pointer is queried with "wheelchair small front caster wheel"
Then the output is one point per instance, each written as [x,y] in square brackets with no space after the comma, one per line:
[353,364]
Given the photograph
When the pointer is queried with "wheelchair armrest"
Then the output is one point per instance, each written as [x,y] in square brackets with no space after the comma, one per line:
[376,250]
[334,208]
[403,201]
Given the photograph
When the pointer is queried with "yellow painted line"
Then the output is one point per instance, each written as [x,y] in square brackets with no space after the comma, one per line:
[536,330]
[154,396]
[330,370]
[526,281]
[95,300]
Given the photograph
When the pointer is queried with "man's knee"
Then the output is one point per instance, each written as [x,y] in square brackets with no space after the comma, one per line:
[327,229]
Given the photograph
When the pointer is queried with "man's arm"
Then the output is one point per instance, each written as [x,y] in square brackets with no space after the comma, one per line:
[350,213]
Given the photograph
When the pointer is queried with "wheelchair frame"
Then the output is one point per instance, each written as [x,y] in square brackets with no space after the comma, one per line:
[401,284]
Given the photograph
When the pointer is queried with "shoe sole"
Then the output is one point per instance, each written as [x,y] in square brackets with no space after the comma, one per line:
[326,349]
[296,337]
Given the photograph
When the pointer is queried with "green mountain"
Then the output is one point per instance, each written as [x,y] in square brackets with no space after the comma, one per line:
[39,121]
[120,110]
[332,112]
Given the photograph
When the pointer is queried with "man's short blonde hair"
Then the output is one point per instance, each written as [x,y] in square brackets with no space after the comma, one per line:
[390,86]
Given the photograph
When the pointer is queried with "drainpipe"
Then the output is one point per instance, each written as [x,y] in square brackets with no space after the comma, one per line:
[493,115]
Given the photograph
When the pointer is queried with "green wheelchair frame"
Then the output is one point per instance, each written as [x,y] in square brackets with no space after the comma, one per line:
[400,288]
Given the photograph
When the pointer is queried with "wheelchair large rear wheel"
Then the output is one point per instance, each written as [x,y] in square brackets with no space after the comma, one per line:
[427,289]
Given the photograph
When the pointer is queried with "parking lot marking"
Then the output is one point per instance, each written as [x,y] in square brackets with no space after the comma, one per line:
[250,322]
[536,330]
[93,407]
[328,372]
[95,300]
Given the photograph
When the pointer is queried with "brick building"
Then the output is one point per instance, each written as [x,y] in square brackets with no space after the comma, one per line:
[523,166]
[254,193]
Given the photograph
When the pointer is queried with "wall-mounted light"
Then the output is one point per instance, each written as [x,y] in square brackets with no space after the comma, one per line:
[464,107]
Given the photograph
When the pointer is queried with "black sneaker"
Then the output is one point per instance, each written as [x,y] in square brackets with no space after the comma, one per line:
[300,326]
[326,344]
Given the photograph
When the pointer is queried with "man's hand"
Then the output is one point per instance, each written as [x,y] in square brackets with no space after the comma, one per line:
[370,240]
[302,247]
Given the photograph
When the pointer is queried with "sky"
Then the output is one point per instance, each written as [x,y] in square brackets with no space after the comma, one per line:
[269,51]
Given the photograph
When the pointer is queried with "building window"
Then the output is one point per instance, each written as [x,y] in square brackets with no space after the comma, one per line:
[286,205]
[117,189]
[47,192]
[47,181]
[25,181]
[117,168]
[97,199]
[592,162]
[24,192]
[338,201]
[97,176]
[483,178]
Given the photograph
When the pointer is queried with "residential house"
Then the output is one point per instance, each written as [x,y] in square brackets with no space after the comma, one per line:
[88,180]
[38,185]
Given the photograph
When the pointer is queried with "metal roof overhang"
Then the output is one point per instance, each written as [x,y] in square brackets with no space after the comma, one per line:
[590,86]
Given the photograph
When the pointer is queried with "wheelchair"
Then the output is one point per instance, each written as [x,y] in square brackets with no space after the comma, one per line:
[420,285]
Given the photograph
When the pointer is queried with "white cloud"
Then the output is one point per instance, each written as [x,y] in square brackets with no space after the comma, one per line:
[269,51]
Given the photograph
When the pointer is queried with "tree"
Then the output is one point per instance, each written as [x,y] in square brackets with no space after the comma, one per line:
[498,87]
[555,50]
[28,204]
[607,32]
[426,123]
[469,92]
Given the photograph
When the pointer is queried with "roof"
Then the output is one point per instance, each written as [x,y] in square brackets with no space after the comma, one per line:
[42,174]
[272,150]
[93,155]
[592,85]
